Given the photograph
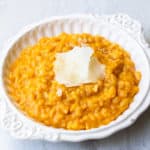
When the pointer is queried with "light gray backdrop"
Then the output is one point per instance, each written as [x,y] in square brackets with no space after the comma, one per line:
[15,14]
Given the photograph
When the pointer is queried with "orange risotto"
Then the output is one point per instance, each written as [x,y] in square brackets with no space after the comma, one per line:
[35,92]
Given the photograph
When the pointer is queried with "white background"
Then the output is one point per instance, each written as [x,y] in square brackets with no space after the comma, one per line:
[15,14]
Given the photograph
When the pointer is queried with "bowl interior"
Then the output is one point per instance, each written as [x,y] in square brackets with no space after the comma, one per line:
[114,33]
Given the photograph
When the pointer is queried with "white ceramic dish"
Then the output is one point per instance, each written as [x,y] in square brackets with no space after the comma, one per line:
[118,28]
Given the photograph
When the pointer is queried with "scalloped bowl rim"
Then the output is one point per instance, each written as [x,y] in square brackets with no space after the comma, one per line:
[86,134]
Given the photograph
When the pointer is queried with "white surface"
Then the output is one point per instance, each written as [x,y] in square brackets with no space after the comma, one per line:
[14,14]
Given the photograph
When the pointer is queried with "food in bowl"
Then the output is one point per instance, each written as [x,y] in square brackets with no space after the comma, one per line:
[35,90]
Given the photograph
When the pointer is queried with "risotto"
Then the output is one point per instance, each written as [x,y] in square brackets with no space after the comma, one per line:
[34,90]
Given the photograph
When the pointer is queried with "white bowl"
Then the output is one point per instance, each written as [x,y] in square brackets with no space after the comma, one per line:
[118,28]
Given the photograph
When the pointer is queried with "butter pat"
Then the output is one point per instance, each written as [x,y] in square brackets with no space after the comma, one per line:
[77,67]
